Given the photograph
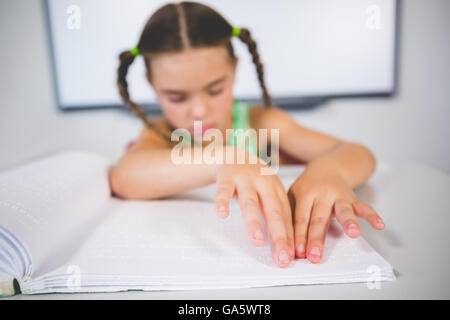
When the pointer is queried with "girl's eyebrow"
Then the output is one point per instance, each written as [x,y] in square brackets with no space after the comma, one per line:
[212,83]
[217,81]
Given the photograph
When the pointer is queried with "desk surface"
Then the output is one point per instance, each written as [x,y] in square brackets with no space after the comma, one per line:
[414,202]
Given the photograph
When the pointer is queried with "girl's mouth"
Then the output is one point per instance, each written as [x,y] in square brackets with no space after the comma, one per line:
[202,129]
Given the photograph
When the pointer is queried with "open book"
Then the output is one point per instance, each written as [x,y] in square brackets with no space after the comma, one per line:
[62,231]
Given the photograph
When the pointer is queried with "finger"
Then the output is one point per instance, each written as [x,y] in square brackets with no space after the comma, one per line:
[302,214]
[366,212]
[344,214]
[318,228]
[273,215]
[287,211]
[249,204]
[225,190]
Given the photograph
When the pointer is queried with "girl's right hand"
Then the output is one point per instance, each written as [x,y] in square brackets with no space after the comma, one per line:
[252,189]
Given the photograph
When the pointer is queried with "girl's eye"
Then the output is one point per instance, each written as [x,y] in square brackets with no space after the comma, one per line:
[215,92]
[176,99]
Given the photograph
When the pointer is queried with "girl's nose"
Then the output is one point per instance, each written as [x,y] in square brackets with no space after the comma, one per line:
[199,110]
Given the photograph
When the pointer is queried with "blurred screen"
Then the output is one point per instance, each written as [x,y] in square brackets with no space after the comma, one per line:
[309,48]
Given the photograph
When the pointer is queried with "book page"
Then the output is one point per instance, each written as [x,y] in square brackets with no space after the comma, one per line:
[53,203]
[179,243]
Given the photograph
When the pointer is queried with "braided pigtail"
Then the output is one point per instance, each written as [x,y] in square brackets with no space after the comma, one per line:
[246,37]
[126,59]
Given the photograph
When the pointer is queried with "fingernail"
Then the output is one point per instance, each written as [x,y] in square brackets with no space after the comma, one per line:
[300,249]
[258,235]
[314,252]
[352,226]
[284,258]
[222,211]
[380,221]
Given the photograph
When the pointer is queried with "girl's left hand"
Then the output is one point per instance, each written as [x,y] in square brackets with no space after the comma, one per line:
[317,196]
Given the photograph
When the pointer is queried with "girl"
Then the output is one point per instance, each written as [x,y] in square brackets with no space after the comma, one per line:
[191,66]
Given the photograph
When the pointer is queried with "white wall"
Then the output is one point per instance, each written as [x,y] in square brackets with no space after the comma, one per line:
[412,127]
[30,123]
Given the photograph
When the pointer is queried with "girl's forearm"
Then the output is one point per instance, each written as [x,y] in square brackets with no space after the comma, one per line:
[151,174]
[353,162]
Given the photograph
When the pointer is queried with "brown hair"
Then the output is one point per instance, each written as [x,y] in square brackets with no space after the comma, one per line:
[175,27]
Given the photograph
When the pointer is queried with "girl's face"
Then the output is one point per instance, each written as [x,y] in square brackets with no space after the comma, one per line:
[195,84]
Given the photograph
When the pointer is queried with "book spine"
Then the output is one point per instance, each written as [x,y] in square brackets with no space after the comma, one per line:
[7,288]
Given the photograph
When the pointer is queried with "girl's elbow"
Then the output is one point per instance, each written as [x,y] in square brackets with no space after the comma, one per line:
[371,160]
[123,186]
[118,183]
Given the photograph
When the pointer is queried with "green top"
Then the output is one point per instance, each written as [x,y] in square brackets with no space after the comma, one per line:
[241,115]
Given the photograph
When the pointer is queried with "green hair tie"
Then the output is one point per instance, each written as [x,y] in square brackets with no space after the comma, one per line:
[236,31]
[135,51]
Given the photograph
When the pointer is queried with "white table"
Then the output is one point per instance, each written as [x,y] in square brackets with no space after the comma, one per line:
[414,201]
